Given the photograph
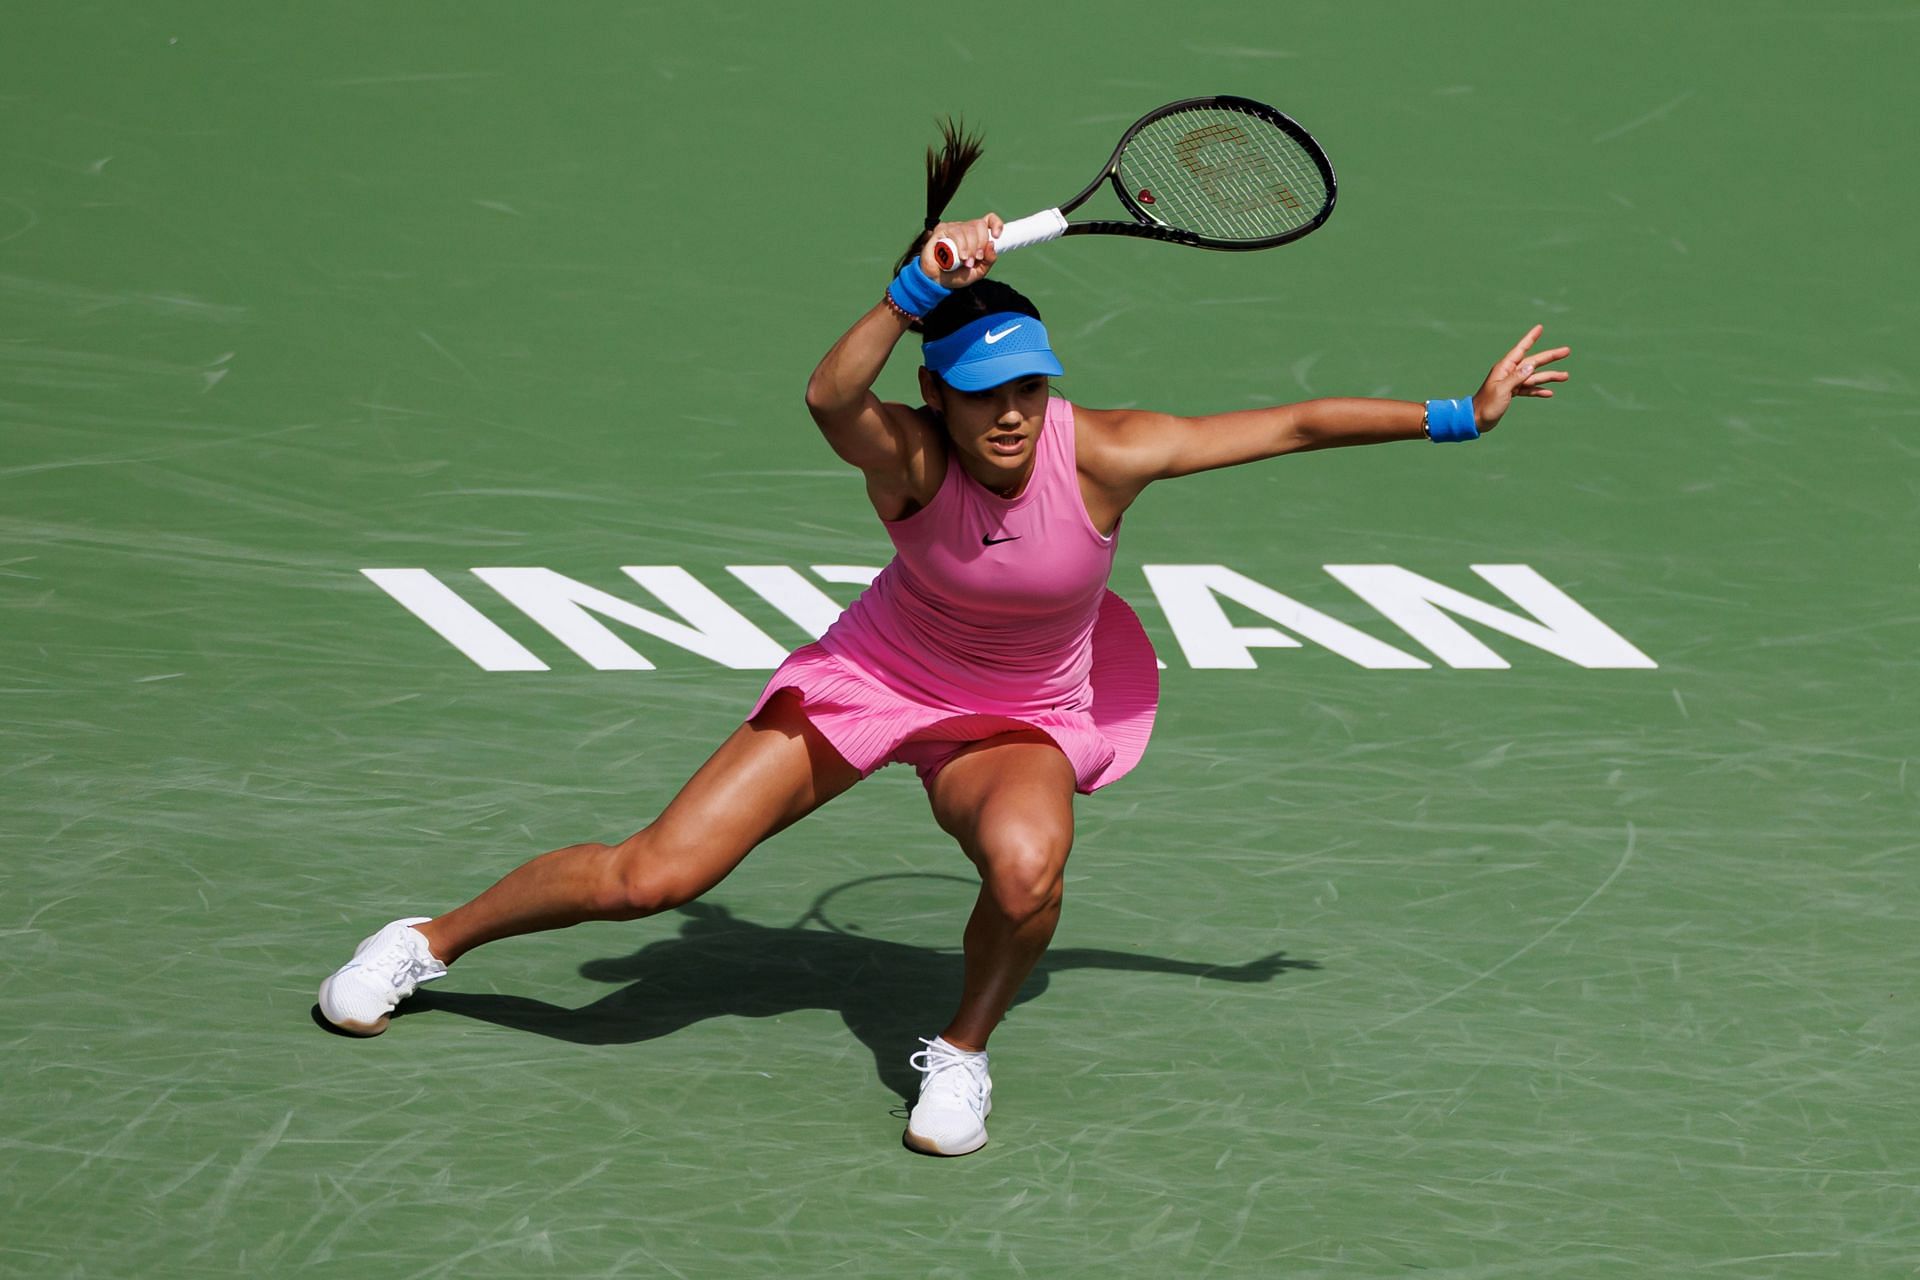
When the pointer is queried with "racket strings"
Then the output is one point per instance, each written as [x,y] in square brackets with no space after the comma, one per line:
[1222,173]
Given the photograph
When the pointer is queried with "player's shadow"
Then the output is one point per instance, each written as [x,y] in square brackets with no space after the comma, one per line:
[888,993]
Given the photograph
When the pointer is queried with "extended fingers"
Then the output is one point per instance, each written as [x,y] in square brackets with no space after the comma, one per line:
[1530,380]
[1522,374]
[1535,384]
[1519,351]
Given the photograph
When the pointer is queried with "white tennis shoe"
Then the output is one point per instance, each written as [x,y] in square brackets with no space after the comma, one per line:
[956,1097]
[386,968]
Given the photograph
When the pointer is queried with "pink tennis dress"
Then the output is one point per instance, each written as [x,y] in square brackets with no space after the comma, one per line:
[994,615]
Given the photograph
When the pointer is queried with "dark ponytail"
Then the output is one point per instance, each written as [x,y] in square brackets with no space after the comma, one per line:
[945,169]
[958,151]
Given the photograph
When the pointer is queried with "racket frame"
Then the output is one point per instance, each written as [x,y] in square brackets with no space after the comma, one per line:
[1050,224]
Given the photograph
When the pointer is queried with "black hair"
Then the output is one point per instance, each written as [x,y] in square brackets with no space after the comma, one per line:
[963,306]
[945,169]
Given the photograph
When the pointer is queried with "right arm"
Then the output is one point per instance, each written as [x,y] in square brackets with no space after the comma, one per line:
[893,445]
[840,395]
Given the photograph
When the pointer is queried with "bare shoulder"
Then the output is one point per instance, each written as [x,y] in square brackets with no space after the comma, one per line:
[1120,427]
[1122,448]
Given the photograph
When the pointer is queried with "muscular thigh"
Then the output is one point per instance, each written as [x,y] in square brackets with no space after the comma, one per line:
[1008,794]
[772,771]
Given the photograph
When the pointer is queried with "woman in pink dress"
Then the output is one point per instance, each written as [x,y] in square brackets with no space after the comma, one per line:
[989,654]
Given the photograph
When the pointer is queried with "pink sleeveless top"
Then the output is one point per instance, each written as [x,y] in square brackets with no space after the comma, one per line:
[993,615]
[989,602]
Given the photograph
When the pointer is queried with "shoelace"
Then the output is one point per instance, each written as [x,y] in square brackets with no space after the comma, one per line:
[402,966]
[949,1070]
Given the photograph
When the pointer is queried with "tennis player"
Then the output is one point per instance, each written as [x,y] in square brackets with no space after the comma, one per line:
[988,655]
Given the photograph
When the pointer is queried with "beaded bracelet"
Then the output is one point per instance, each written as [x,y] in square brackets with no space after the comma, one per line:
[886,296]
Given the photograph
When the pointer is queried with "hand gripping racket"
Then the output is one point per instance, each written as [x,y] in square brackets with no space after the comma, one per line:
[1215,173]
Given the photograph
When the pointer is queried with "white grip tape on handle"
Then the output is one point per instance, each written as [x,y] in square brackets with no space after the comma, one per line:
[1049,224]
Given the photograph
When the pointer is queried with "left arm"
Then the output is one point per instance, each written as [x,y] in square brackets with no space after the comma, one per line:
[1134,448]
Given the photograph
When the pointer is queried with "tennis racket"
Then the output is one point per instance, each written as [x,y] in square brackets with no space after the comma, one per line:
[1215,173]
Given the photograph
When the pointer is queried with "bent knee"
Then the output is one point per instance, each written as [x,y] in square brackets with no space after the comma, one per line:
[642,879]
[1026,872]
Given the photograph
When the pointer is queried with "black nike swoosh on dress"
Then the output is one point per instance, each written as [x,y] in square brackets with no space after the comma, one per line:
[985,541]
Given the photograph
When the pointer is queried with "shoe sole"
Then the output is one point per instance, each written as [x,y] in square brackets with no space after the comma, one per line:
[928,1147]
[363,1029]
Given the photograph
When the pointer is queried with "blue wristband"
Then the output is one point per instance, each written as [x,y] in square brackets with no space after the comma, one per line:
[914,291]
[1448,421]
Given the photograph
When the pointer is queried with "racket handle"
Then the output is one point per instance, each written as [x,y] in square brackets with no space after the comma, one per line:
[1049,224]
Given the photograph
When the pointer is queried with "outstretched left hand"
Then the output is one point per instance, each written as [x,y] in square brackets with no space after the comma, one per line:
[1517,374]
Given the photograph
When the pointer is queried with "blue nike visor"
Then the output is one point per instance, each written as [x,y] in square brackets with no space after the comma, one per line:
[992,350]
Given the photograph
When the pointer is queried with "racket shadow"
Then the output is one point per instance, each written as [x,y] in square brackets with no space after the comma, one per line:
[720,965]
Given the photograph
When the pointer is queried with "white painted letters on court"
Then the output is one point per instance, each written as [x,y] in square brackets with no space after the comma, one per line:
[708,625]
[1190,595]
[807,606]
[810,608]
[1192,598]
[459,623]
[1419,606]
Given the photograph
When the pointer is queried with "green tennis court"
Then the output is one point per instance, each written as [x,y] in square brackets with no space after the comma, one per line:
[1579,943]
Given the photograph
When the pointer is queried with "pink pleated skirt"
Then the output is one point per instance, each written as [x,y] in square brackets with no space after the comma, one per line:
[871,724]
